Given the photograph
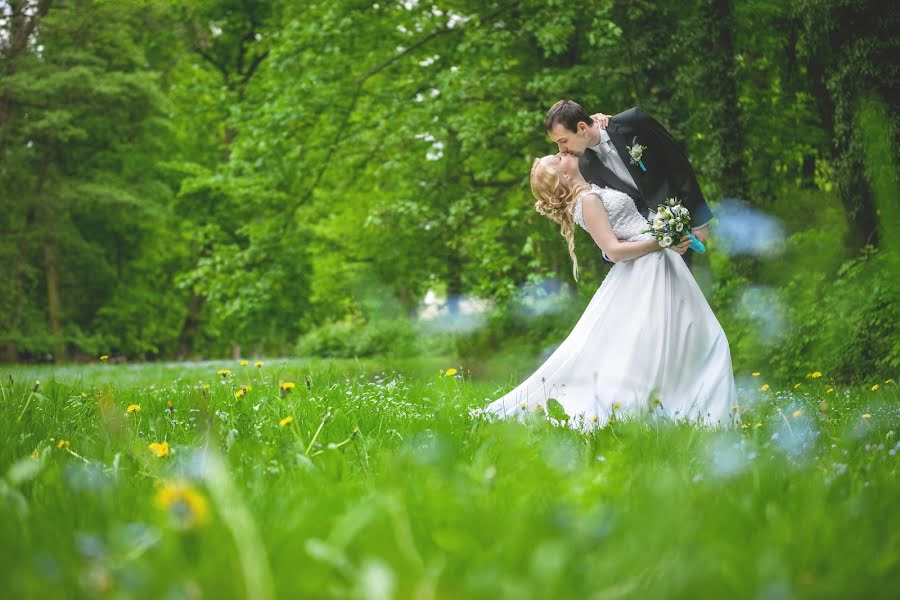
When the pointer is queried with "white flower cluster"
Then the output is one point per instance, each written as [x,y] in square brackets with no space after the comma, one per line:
[546,210]
[671,222]
[636,151]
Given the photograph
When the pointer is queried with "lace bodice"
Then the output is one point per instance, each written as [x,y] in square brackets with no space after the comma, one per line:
[627,223]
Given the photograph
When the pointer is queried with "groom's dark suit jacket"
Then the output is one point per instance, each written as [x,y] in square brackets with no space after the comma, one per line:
[669,173]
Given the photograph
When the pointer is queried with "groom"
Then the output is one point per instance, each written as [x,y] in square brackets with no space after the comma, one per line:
[611,155]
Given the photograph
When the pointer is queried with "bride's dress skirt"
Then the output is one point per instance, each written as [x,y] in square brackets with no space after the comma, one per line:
[648,342]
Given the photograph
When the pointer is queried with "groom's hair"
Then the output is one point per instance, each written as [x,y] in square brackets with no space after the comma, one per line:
[567,112]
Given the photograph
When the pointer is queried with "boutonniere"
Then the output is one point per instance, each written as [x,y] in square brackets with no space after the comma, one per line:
[636,151]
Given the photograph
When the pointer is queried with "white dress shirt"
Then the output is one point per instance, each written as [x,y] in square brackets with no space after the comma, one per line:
[609,156]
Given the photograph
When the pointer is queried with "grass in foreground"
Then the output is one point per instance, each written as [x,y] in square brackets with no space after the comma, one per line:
[173,481]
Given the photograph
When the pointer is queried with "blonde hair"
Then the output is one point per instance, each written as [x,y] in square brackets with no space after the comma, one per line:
[555,199]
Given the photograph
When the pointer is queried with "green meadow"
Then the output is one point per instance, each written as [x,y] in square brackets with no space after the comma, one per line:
[376,480]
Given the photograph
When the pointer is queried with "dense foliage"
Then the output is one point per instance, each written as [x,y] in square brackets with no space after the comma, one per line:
[187,178]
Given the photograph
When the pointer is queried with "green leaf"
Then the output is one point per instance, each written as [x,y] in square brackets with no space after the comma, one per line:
[555,410]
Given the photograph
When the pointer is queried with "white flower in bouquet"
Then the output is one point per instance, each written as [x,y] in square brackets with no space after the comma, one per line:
[670,223]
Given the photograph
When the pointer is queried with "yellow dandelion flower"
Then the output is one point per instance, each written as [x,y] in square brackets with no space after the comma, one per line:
[205,386]
[223,372]
[160,449]
[866,416]
[104,357]
[796,413]
[133,408]
[184,503]
[758,425]
[764,387]
[286,421]
[755,373]
[875,387]
[62,444]
[594,419]
[523,406]
[258,363]
[616,405]
[829,390]
[288,385]
[815,374]
[244,363]
[451,372]
[239,393]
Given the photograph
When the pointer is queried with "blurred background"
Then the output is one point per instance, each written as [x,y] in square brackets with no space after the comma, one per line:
[187,179]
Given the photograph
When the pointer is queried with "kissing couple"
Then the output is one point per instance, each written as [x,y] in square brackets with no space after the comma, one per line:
[648,341]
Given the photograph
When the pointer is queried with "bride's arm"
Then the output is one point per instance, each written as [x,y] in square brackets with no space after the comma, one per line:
[597,222]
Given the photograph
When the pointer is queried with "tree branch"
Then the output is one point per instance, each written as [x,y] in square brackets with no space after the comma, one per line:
[365,77]
[253,65]
[419,43]
[213,62]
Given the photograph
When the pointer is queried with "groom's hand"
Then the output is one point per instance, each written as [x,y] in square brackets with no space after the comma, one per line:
[701,233]
[601,120]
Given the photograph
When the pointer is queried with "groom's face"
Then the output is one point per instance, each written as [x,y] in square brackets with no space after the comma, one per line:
[572,142]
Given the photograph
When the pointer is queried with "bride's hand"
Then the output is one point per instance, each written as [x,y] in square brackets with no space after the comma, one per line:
[601,119]
[683,245]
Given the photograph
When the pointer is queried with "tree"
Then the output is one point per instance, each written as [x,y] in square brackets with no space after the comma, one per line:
[82,121]
[848,48]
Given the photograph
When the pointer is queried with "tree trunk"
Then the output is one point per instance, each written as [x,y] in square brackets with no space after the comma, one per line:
[725,116]
[191,327]
[453,190]
[54,304]
[856,194]
[46,222]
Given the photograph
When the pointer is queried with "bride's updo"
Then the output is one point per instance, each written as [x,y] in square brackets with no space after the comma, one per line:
[555,199]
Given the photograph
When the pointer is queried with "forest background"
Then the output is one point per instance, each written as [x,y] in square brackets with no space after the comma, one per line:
[188,179]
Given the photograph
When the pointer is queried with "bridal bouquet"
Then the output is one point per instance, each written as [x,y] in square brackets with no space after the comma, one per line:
[673,221]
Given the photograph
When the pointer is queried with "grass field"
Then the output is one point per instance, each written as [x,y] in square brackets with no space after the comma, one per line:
[374,481]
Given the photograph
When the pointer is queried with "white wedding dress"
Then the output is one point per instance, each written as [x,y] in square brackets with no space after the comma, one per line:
[648,342]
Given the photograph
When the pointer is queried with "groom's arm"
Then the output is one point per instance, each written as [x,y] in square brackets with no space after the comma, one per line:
[675,159]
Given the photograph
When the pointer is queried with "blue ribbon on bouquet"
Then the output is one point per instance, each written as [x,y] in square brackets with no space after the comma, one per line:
[696,245]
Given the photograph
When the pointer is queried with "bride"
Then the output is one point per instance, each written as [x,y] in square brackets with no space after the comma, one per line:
[648,341]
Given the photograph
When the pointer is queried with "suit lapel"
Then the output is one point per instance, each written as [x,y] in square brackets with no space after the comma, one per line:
[596,172]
